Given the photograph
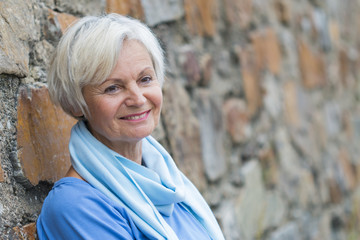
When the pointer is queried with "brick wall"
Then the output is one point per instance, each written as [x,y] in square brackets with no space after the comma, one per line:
[260,112]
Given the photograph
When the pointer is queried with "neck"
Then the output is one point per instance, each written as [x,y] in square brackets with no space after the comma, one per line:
[128,149]
[131,151]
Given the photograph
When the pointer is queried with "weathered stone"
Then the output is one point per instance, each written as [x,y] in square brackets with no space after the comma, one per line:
[42,52]
[214,196]
[354,207]
[239,12]
[318,127]
[306,189]
[321,25]
[199,16]
[223,63]
[17,27]
[269,165]
[206,66]
[227,220]
[334,33]
[311,65]
[236,178]
[61,20]
[282,8]
[212,134]
[126,7]
[1,209]
[267,50]
[332,118]
[81,7]
[348,170]
[251,203]
[288,164]
[183,133]
[324,231]
[237,119]
[20,17]
[355,123]
[334,191]
[347,126]
[275,211]
[290,63]
[159,11]
[250,76]
[288,232]
[190,65]
[43,132]
[27,232]
[273,96]
[343,62]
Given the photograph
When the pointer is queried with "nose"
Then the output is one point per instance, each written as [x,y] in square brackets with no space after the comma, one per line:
[135,97]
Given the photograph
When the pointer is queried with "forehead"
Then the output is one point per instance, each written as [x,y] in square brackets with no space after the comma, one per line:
[133,58]
[133,49]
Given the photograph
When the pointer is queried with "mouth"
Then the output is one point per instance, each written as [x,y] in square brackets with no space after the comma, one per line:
[136,117]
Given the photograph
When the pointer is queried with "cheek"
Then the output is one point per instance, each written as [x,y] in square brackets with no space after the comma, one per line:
[102,108]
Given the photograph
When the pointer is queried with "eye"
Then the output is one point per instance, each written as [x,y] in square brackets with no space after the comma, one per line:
[111,89]
[146,79]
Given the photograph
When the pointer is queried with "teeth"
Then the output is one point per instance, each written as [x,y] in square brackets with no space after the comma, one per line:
[136,117]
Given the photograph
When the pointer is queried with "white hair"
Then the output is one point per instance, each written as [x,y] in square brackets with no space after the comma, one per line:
[88,52]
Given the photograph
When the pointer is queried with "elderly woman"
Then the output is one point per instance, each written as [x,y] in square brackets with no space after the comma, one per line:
[107,72]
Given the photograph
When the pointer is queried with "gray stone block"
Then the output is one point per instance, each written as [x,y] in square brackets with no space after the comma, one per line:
[159,11]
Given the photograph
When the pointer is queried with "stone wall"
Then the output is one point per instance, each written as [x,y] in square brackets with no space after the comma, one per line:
[261,110]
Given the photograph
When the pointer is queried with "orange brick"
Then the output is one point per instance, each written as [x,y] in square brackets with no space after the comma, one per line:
[1,174]
[347,125]
[126,7]
[43,132]
[239,12]
[343,66]
[62,20]
[267,50]
[199,16]
[311,65]
[27,232]
[349,171]
[335,192]
[334,32]
[282,9]
[250,76]
[236,119]
[291,104]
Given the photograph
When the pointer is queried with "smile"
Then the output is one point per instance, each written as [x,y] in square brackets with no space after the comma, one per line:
[140,116]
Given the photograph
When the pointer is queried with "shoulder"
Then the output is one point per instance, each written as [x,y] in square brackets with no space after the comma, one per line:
[71,195]
[75,209]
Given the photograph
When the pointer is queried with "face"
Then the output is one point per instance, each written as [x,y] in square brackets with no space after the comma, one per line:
[126,107]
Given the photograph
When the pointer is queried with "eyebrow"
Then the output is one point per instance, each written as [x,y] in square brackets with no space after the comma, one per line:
[140,73]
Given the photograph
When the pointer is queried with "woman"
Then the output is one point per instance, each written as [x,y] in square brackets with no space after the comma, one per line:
[107,72]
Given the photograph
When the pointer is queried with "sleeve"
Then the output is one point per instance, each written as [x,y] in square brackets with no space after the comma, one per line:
[78,215]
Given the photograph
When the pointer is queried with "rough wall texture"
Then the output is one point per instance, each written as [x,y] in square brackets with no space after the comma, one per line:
[261,110]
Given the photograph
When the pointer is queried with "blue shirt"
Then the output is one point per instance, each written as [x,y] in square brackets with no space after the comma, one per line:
[76,210]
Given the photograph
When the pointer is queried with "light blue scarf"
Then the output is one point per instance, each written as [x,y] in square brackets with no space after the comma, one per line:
[144,192]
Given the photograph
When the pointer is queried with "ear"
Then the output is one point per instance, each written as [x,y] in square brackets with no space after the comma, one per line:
[77,113]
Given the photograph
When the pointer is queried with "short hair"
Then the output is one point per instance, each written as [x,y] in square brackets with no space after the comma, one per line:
[88,52]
